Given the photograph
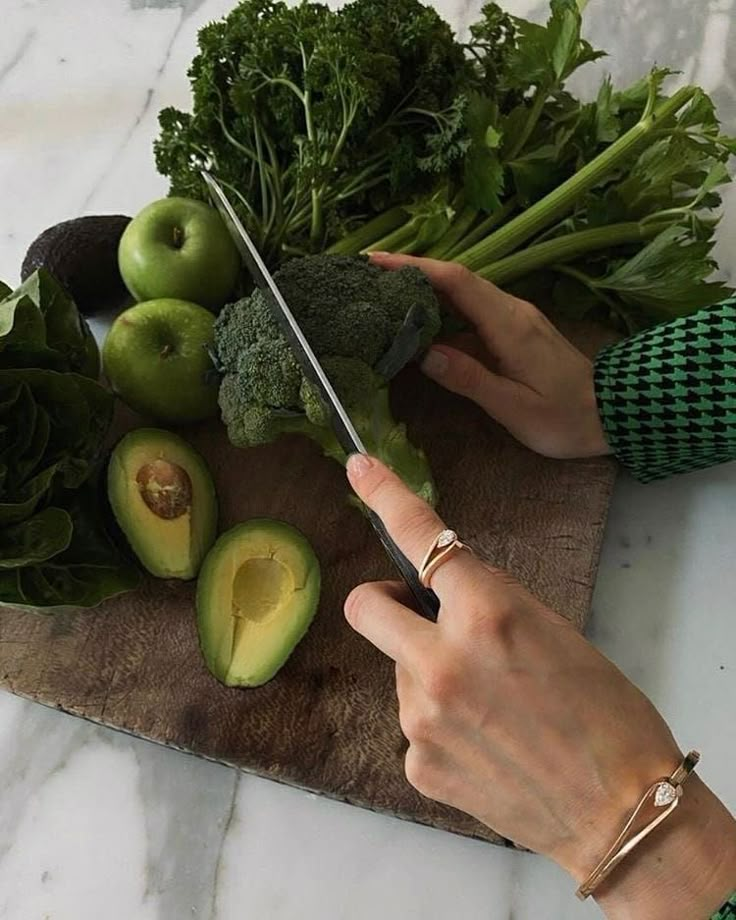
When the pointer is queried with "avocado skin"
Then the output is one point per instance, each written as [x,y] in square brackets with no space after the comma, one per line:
[82,254]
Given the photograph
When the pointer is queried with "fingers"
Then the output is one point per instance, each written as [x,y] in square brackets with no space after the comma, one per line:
[503,399]
[469,343]
[498,315]
[376,612]
[410,522]
[473,297]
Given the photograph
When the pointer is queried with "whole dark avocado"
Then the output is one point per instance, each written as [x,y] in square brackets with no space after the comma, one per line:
[82,254]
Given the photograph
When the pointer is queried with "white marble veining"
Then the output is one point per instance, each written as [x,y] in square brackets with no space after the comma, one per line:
[94,824]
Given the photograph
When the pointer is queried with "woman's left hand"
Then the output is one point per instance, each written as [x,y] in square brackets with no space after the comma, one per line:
[511,715]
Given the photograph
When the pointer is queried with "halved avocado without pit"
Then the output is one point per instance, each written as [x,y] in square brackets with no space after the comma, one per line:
[257,594]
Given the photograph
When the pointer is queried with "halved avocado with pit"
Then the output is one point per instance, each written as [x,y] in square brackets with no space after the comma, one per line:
[257,595]
[164,500]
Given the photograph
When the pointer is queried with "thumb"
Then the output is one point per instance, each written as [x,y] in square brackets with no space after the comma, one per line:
[501,398]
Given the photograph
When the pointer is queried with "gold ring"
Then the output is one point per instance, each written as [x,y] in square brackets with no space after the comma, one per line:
[444,545]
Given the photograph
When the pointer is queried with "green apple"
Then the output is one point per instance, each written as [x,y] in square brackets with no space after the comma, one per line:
[157,360]
[180,248]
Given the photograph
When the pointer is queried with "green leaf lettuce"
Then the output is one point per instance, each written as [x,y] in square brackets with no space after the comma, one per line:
[54,420]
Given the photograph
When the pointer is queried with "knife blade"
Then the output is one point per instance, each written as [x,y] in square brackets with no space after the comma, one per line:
[426,600]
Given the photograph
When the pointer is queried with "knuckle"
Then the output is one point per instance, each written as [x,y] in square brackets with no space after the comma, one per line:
[526,308]
[419,773]
[468,376]
[418,725]
[355,605]
[374,486]
[456,273]
[530,323]
[500,621]
[494,621]
[441,682]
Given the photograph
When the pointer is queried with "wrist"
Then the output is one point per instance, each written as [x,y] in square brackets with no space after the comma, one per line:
[593,441]
[689,861]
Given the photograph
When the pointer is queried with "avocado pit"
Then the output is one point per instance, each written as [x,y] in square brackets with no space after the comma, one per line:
[166,488]
[163,498]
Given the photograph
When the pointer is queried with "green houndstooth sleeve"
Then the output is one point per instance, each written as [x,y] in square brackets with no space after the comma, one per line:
[667,397]
[728,911]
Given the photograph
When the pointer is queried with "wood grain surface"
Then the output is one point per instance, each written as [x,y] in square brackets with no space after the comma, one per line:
[328,721]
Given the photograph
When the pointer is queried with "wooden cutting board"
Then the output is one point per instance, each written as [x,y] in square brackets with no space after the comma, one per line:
[328,721]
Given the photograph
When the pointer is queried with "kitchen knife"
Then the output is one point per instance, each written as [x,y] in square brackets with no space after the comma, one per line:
[349,439]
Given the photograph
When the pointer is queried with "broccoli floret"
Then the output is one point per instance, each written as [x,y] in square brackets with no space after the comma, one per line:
[364,324]
[352,378]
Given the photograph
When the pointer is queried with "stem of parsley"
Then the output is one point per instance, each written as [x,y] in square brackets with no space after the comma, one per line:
[460,226]
[367,235]
[403,239]
[484,227]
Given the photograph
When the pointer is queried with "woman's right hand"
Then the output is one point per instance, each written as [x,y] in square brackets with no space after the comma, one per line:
[512,717]
[527,375]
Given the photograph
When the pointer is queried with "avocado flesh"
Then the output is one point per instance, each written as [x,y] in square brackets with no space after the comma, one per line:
[164,501]
[257,594]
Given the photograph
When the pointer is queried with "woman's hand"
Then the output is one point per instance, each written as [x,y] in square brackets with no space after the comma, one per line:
[511,715]
[527,376]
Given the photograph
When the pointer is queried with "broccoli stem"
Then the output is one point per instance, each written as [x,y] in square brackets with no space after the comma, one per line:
[563,199]
[384,438]
[388,440]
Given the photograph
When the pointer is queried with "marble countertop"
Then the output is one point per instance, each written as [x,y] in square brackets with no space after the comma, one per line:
[95,824]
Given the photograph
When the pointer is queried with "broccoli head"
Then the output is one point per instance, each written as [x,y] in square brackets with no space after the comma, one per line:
[365,324]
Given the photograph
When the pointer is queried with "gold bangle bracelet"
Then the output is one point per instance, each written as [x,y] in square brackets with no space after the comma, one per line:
[663,796]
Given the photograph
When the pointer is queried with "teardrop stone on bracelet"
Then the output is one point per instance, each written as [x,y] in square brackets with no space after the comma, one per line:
[665,795]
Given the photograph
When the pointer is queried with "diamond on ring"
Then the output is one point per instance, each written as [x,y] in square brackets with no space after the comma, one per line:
[664,795]
[442,547]
[446,538]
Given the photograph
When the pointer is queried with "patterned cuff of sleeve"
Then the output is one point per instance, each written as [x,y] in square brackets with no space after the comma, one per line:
[728,911]
[667,397]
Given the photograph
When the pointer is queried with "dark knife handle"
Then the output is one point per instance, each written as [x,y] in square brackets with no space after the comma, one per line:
[428,604]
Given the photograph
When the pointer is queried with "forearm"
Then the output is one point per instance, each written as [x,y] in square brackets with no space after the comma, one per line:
[667,397]
[685,869]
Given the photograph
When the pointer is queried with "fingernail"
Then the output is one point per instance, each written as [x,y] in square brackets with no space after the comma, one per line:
[378,255]
[358,465]
[435,363]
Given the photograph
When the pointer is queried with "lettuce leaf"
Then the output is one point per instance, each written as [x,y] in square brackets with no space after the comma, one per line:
[40,326]
[55,547]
